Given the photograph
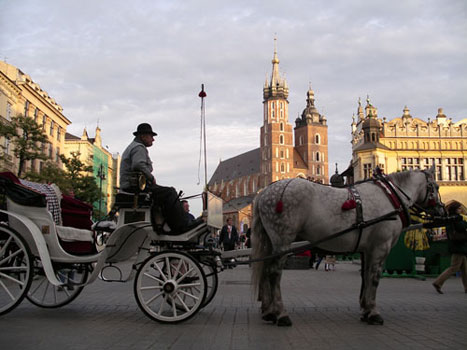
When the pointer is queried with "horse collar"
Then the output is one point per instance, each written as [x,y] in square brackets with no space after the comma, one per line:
[388,188]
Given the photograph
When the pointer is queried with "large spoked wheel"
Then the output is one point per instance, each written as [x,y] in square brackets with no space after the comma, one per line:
[44,294]
[210,271]
[15,269]
[170,287]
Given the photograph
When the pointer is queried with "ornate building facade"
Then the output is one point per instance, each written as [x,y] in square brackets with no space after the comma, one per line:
[19,94]
[406,143]
[285,151]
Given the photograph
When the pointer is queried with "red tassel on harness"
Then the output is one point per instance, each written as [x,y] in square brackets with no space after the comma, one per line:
[349,204]
[279,207]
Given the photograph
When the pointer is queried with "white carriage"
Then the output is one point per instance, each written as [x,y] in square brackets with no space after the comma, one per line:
[174,275]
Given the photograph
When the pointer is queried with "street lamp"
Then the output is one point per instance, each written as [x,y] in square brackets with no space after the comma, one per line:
[101,176]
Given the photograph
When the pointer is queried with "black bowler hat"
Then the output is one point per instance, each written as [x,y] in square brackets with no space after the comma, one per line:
[144,128]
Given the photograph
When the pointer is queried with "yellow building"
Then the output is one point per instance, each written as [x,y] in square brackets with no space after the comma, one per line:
[406,143]
[20,95]
[106,166]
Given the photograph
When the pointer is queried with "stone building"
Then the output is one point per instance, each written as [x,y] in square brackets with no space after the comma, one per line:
[106,166]
[285,151]
[406,143]
[20,95]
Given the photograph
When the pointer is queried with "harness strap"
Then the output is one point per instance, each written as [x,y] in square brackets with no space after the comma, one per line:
[358,212]
[388,188]
[363,224]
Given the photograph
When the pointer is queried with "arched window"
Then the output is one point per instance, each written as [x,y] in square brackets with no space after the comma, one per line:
[281,126]
[282,168]
[317,139]
[317,156]
[281,139]
[282,154]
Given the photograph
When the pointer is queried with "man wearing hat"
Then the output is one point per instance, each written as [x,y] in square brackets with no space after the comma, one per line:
[135,158]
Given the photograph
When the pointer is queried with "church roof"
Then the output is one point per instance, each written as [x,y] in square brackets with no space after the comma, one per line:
[245,164]
[237,204]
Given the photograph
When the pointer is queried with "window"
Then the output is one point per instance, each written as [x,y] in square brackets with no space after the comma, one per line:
[6,145]
[282,168]
[282,154]
[317,156]
[59,133]
[57,155]
[281,126]
[44,121]
[253,186]
[317,139]
[26,108]
[51,151]
[8,111]
[318,170]
[281,139]
[51,128]
[300,140]
[367,171]
[455,169]
[245,188]
[36,114]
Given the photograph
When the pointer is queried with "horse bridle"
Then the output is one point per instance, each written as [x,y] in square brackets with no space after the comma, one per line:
[429,201]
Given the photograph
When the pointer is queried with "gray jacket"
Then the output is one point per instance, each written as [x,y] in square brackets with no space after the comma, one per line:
[135,158]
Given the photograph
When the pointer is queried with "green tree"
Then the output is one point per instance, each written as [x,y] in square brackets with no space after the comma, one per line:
[83,184]
[27,138]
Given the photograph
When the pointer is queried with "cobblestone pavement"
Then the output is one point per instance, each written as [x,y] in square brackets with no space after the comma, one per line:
[322,305]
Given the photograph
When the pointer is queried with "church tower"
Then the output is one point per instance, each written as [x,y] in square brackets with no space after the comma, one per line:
[311,140]
[276,133]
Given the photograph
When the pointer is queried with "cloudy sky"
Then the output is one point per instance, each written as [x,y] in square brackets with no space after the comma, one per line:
[120,63]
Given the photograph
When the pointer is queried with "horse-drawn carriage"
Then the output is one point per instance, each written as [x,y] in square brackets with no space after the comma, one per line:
[177,275]
[50,264]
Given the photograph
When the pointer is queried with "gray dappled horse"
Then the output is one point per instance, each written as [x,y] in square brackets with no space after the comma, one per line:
[311,212]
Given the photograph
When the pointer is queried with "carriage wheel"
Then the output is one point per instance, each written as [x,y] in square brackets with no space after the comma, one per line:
[15,269]
[170,287]
[210,271]
[44,294]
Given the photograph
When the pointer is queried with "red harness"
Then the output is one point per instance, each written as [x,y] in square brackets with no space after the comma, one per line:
[390,191]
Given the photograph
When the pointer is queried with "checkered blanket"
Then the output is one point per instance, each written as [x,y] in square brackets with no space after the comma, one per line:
[52,196]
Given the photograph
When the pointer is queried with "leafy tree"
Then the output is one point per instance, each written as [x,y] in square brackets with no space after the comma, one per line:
[27,138]
[83,185]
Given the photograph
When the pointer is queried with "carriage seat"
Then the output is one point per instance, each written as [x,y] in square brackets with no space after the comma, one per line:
[67,233]
[76,241]
[127,200]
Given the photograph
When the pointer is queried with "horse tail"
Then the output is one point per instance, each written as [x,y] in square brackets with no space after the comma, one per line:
[260,246]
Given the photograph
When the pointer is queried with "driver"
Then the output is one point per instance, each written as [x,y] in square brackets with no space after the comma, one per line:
[135,158]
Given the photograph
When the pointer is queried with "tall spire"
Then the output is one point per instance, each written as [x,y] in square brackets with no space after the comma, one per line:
[277,86]
[275,78]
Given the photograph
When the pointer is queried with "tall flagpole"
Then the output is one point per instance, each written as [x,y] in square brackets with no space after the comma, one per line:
[202,94]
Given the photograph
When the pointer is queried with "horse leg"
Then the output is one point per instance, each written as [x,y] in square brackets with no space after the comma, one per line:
[272,306]
[265,295]
[362,298]
[372,274]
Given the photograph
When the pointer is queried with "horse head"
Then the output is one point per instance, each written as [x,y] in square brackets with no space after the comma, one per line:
[430,202]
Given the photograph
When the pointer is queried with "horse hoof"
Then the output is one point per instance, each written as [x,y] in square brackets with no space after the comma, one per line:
[375,320]
[270,318]
[284,321]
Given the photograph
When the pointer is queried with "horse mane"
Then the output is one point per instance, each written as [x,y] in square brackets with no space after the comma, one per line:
[401,177]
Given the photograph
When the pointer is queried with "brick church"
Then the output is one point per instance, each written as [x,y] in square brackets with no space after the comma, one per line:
[285,151]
